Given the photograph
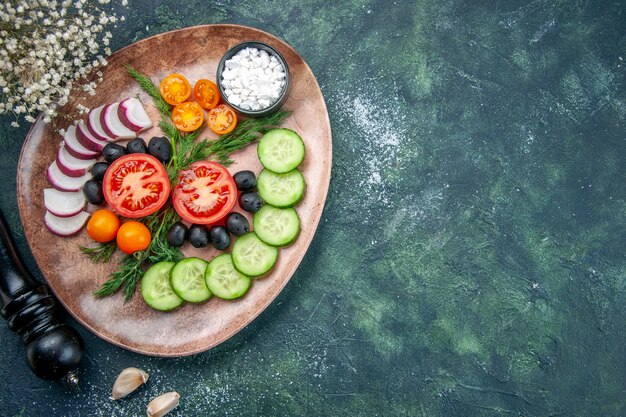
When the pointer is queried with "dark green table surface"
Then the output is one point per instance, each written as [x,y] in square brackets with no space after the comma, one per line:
[471,257]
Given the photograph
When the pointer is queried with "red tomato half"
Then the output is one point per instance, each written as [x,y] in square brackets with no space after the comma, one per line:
[204,193]
[136,185]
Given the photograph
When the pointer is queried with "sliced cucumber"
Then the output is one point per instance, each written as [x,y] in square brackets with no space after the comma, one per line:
[276,226]
[281,190]
[253,257]
[156,289]
[187,280]
[224,280]
[281,150]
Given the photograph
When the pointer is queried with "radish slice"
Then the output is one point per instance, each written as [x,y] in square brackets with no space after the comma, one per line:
[74,147]
[62,203]
[112,124]
[70,166]
[132,115]
[87,139]
[94,125]
[62,182]
[65,226]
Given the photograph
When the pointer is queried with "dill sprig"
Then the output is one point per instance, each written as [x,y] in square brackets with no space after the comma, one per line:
[168,129]
[153,91]
[181,144]
[160,249]
[248,131]
[127,276]
[133,266]
[102,252]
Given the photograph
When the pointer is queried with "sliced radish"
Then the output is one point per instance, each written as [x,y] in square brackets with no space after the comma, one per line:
[62,182]
[95,127]
[70,166]
[132,115]
[87,139]
[65,226]
[112,124]
[75,148]
[63,203]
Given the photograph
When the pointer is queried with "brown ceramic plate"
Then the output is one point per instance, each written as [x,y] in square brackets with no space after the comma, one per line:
[194,52]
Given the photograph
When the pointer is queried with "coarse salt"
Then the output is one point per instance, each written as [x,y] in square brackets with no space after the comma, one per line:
[253,79]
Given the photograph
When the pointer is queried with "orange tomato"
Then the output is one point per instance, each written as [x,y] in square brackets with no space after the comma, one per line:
[175,89]
[188,116]
[133,236]
[222,119]
[103,225]
[206,93]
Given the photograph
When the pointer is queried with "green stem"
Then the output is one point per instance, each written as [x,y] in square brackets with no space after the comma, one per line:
[174,159]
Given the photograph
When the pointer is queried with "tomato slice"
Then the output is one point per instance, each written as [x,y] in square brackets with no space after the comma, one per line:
[206,93]
[136,185]
[222,119]
[188,116]
[175,89]
[204,193]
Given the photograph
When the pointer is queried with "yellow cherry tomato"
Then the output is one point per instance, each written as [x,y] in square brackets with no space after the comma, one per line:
[175,89]
[188,116]
[133,236]
[206,93]
[222,119]
[103,225]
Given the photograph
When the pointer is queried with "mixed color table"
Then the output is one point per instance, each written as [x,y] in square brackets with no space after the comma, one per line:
[471,259]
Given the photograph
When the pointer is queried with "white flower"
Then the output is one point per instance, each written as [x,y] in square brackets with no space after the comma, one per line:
[48,47]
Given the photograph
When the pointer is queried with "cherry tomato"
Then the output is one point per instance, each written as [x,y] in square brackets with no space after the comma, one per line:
[133,236]
[205,193]
[188,116]
[136,185]
[222,119]
[103,225]
[175,89]
[206,93]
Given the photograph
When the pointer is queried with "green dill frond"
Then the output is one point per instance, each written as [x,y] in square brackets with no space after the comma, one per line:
[102,252]
[151,89]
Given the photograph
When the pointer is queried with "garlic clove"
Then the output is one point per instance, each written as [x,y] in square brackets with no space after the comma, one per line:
[128,381]
[163,404]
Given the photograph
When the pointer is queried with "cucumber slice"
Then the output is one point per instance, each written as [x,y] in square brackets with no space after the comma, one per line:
[187,280]
[156,289]
[252,257]
[281,150]
[224,280]
[276,226]
[281,190]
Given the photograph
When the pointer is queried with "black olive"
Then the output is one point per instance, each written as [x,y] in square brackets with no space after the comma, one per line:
[199,236]
[237,224]
[220,237]
[160,148]
[245,180]
[93,192]
[98,170]
[177,234]
[251,201]
[136,146]
[112,151]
